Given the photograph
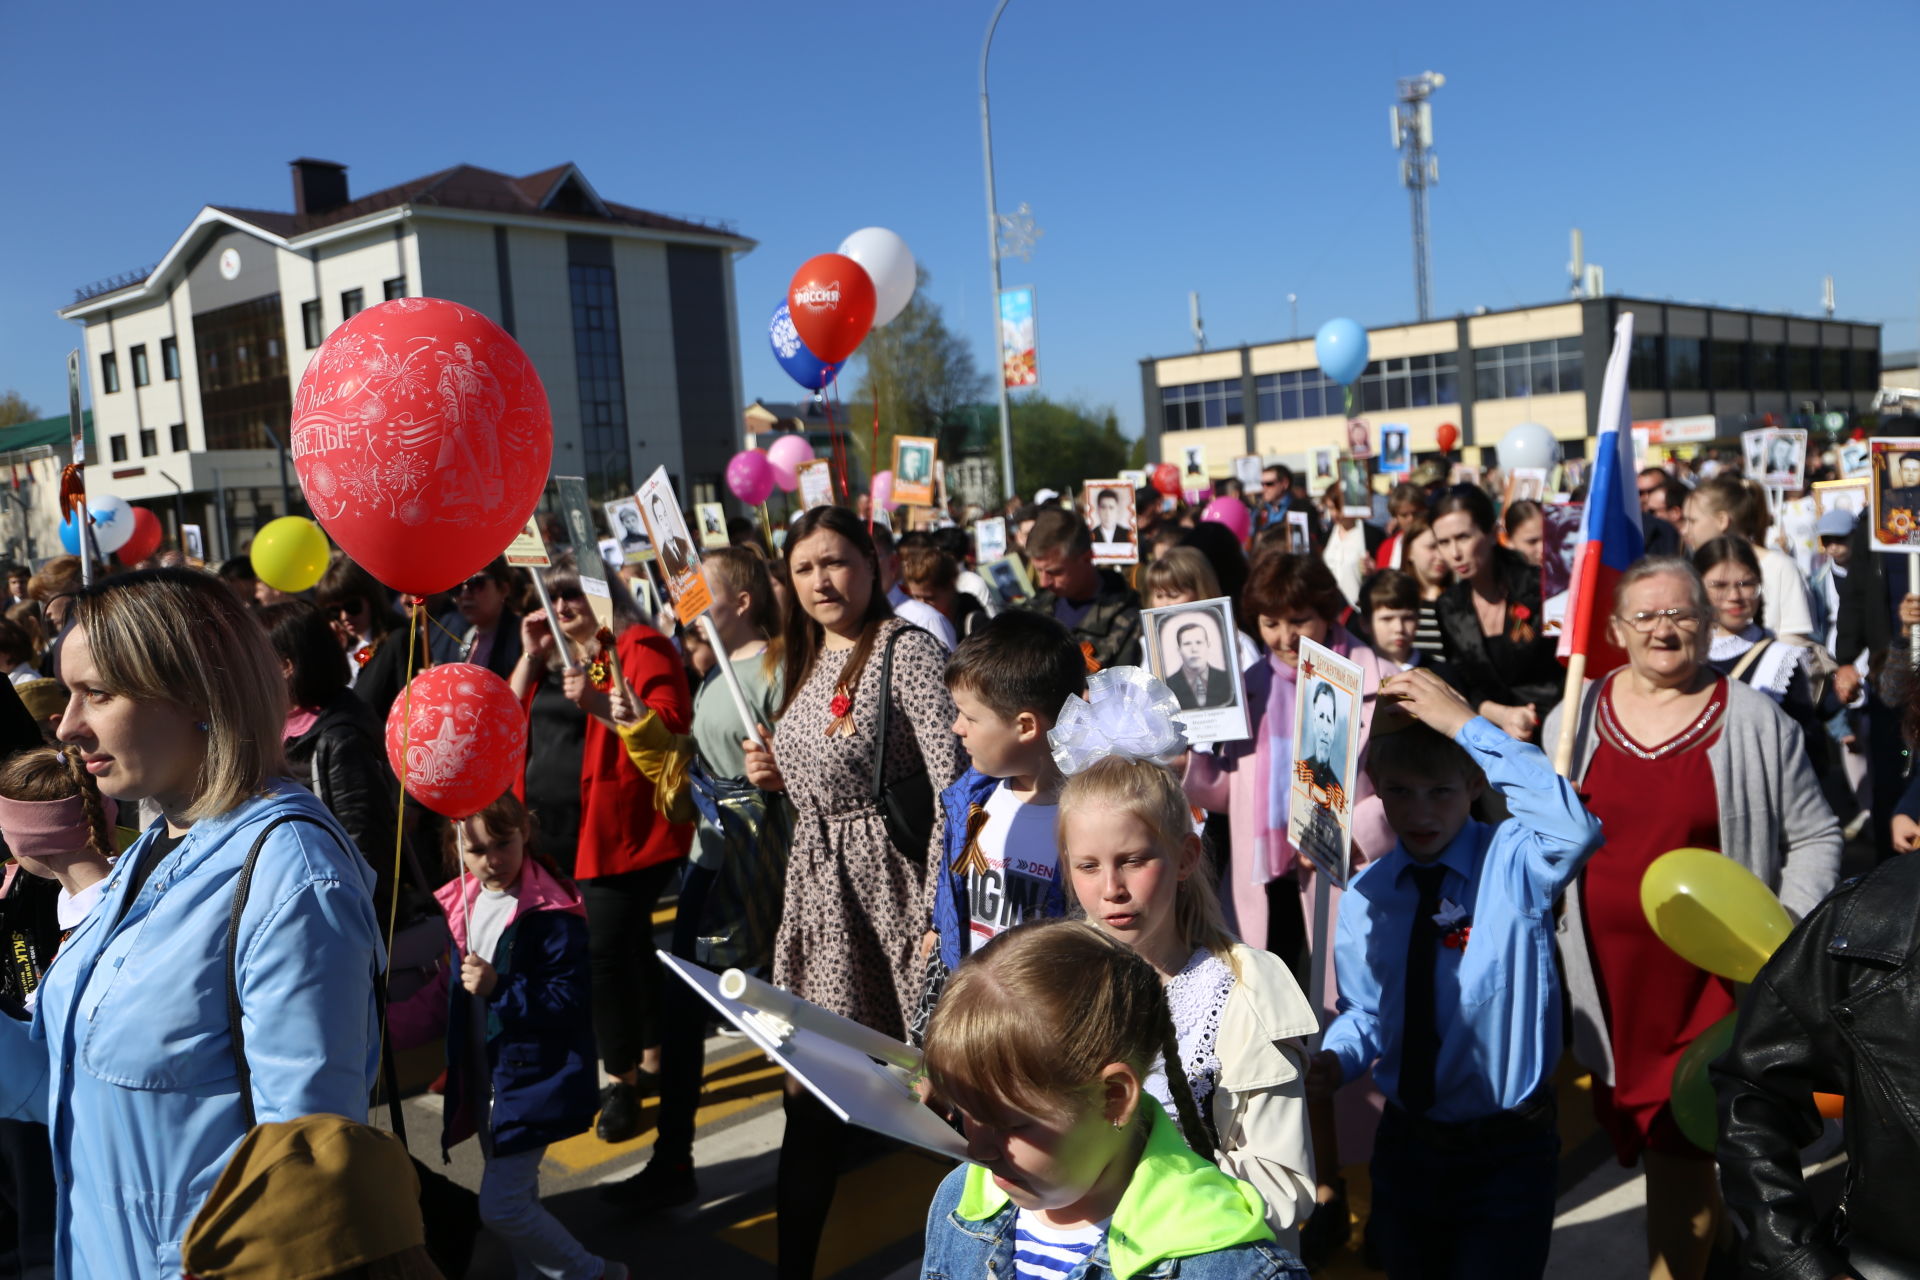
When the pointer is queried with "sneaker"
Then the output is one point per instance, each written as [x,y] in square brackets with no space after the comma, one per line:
[619,1113]
[1327,1230]
[661,1185]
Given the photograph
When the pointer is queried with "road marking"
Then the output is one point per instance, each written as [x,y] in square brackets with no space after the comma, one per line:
[732,1085]
[874,1206]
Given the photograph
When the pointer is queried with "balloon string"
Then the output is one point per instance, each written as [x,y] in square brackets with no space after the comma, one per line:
[466,646]
[873,459]
[399,820]
[834,448]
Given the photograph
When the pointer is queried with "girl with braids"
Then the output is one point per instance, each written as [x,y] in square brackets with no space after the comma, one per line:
[1128,842]
[1043,1042]
[59,828]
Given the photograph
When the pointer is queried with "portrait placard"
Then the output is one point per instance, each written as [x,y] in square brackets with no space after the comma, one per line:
[1110,519]
[1326,757]
[679,558]
[1193,650]
[913,470]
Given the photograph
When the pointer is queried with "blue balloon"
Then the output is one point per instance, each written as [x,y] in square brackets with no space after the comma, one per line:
[70,533]
[804,367]
[1341,346]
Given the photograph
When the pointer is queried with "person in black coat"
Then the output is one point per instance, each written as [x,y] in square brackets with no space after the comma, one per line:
[484,627]
[1507,673]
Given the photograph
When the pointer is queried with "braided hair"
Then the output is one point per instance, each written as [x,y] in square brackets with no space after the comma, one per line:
[56,773]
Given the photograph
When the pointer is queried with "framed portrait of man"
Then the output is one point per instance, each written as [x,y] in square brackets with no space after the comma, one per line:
[1008,578]
[679,558]
[1326,750]
[913,470]
[989,539]
[1394,457]
[623,521]
[1192,649]
[1110,520]
[1896,494]
[1783,459]
[713,524]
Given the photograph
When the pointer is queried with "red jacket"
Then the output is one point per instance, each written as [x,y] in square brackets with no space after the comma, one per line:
[619,828]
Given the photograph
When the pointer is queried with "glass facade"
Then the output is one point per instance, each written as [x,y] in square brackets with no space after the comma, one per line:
[1410,382]
[1519,369]
[1202,404]
[603,388]
[242,360]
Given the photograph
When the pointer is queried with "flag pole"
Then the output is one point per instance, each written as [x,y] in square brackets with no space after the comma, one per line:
[1570,714]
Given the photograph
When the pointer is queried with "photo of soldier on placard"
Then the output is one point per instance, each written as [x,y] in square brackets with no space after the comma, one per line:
[1110,521]
[1193,650]
[1896,494]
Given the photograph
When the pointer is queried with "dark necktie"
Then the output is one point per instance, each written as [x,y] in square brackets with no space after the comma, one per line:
[1420,1029]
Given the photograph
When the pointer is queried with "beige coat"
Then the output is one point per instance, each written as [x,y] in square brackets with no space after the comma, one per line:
[1260,1107]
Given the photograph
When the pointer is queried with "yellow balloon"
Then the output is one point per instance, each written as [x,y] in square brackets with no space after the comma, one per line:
[290,554]
[1714,912]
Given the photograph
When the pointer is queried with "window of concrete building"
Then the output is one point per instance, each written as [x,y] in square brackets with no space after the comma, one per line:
[242,365]
[352,303]
[177,436]
[149,442]
[1302,393]
[1728,365]
[117,448]
[1833,369]
[137,357]
[603,389]
[1866,369]
[394,288]
[312,328]
[109,372]
[1410,382]
[1802,365]
[1686,364]
[1544,368]
[1769,366]
[1202,404]
[170,359]
[1646,365]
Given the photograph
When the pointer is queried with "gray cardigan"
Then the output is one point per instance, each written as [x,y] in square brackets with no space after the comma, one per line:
[1774,821]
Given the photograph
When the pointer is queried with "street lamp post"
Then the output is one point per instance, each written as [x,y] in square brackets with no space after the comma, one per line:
[993,259]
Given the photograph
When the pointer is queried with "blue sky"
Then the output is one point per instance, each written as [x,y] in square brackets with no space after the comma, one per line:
[1710,153]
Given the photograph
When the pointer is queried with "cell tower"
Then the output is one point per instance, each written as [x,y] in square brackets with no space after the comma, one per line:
[1419,169]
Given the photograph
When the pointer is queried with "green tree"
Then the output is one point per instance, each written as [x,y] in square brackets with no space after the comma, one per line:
[1061,444]
[14,409]
[920,374]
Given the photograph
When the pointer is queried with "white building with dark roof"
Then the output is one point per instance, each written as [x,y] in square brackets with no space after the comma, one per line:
[628,316]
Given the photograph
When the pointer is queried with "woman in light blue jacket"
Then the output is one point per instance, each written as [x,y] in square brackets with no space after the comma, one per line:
[176,697]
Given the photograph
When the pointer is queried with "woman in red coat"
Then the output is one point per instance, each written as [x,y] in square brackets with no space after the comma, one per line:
[627,852]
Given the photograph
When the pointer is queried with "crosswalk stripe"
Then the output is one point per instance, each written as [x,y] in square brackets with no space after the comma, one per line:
[731,1086]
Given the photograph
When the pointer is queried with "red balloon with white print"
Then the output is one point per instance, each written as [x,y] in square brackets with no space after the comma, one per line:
[457,738]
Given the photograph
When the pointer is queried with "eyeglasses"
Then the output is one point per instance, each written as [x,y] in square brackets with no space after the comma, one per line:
[477,582]
[1647,491]
[570,595]
[1723,588]
[346,608]
[1648,620]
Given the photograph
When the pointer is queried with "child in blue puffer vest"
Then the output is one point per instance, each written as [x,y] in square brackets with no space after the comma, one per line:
[519,1031]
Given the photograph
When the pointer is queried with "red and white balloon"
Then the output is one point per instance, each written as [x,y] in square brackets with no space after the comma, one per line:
[457,738]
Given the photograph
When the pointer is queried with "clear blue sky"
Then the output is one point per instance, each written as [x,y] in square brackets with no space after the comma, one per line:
[1729,155]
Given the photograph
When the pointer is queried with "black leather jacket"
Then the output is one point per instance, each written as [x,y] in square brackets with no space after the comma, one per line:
[1837,1010]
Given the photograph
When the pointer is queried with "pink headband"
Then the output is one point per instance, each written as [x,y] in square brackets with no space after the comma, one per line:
[49,828]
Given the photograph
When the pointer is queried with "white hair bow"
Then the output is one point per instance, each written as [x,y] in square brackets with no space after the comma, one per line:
[1126,712]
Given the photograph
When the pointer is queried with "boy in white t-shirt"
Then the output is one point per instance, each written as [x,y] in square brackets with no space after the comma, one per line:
[1002,857]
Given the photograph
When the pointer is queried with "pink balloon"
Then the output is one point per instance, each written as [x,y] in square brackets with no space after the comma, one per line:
[750,476]
[786,454]
[1232,513]
[883,491]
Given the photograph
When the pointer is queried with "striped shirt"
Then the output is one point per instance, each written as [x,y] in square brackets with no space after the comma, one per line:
[1043,1252]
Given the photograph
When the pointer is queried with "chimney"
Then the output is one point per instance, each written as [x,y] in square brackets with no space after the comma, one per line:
[318,185]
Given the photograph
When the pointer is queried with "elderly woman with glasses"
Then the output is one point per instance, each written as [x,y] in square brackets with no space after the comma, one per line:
[1671,754]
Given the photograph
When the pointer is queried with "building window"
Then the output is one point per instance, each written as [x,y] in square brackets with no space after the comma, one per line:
[117,448]
[1833,369]
[1411,382]
[1728,365]
[1544,368]
[109,372]
[312,327]
[1645,364]
[137,357]
[1866,369]
[170,359]
[1686,364]
[394,288]
[603,387]
[1769,366]
[1303,393]
[242,363]
[149,442]
[1802,363]
[352,303]
[1202,404]
[177,436]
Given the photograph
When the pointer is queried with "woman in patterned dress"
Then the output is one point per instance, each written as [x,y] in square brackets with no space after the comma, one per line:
[856,906]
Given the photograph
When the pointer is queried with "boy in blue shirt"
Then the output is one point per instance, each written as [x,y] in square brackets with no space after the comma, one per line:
[1009,681]
[1448,990]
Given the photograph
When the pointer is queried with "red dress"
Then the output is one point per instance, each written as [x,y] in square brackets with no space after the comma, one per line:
[1650,800]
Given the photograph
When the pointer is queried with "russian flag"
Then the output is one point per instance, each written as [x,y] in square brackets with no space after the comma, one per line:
[1610,534]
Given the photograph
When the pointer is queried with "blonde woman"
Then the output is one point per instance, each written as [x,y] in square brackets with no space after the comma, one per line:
[177,698]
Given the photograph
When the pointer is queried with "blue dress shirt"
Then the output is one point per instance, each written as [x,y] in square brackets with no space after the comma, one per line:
[1498,1001]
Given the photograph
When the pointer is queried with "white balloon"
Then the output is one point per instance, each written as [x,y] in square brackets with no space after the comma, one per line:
[112,523]
[890,263]
[1528,445]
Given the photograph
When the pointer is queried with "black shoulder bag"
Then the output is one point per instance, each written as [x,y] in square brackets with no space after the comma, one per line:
[451,1212]
[907,805]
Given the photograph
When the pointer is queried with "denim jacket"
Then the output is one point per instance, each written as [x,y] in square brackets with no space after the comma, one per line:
[1180,1216]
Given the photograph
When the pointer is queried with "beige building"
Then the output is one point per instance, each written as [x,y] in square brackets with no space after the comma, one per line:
[628,316]
[1488,373]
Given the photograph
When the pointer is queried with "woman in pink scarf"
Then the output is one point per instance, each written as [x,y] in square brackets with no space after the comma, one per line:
[1293,598]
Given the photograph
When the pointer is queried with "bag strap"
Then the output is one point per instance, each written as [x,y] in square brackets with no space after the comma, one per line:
[241,889]
[886,702]
[1747,660]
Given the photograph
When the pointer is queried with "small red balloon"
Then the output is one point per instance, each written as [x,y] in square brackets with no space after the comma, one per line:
[1447,435]
[1166,478]
[422,438]
[831,301]
[457,738]
[146,538]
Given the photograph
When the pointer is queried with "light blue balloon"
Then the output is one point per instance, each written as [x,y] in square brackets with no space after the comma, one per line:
[70,533]
[1528,445]
[1341,346]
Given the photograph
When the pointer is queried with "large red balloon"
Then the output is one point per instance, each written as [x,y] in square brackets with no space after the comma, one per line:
[1446,436]
[422,438]
[831,302]
[1166,478]
[146,538]
[464,742]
